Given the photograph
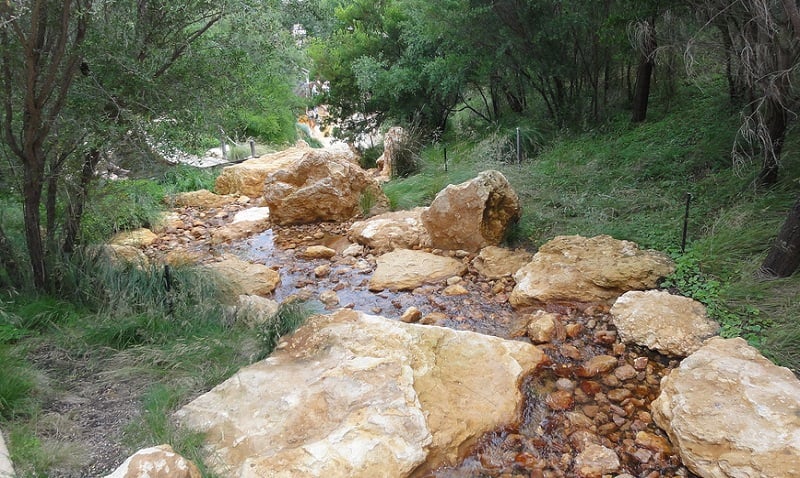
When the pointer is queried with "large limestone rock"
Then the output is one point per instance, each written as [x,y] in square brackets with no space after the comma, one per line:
[732,413]
[248,177]
[580,269]
[392,230]
[156,462]
[404,269]
[135,238]
[322,186]
[473,214]
[658,320]
[6,468]
[496,262]
[203,199]
[353,395]
[245,278]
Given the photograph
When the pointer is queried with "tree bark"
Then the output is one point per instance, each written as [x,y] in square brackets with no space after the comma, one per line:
[75,214]
[784,255]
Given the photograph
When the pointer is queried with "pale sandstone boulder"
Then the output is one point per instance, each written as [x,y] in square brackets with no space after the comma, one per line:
[245,278]
[404,269]
[6,468]
[322,186]
[596,461]
[730,412]
[353,395]
[203,199]
[392,230]
[136,238]
[473,214]
[254,310]
[245,223]
[496,262]
[248,177]
[658,320]
[156,462]
[121,256]
[580,269]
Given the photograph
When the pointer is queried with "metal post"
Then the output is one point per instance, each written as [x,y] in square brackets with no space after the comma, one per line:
[252,148]
[519,150]
[445,159]
[685,222]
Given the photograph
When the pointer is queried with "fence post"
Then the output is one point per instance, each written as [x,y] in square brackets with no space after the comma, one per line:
[252,148]
[685,222]
[519,150]
[445,159]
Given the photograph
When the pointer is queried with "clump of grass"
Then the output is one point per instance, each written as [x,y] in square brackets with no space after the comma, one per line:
[289,317]
[104,216]
[16,384]
[183,178]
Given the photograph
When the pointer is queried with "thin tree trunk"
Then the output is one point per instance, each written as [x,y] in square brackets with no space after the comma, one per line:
[75,213]
[784,255]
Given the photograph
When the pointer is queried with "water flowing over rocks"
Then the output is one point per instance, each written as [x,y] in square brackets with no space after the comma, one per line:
[589,270]
[245,278]
[156,462]
[404,269]
[354,395]
[732,413]
[658,320]
[473,214]
[392,230]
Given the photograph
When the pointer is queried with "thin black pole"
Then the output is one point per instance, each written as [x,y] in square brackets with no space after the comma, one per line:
[445,159]
[685,222]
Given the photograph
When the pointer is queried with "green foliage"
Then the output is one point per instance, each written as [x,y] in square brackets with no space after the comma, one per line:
[183,178]
[122,205]
[366,201]
[289,317]
[16,383]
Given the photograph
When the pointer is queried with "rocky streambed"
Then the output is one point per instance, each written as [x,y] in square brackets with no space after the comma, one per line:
[439,354]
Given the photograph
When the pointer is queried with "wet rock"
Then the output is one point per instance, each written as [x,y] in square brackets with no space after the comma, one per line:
[329,298]
[203,199]
[595,461]
[653,442]
[658,320]
[456,289]
[560,400]
[731,412]
[253,214]
[156,462]
[322,271]
[353,395]
[434,318]
[392,230]
[248,177]
[496,262]
[472,215]
[597,365]
[245,278]
[238,230]
[411,315]
[625,372]
[319,252]
[139,238]
[321,186]
[404,269]
[353,250]
[579,269]
[544,327]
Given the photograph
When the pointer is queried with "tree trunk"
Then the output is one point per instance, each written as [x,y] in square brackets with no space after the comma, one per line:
[75,212]
[784,255]
[32,192]
[8,261]
[776,122]
[644,74]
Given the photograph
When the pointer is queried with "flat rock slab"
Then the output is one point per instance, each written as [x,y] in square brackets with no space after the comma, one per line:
[658,320]
[496,262]
[732,413]
[245,278]
[353,395]
[405,269]
[392,230]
